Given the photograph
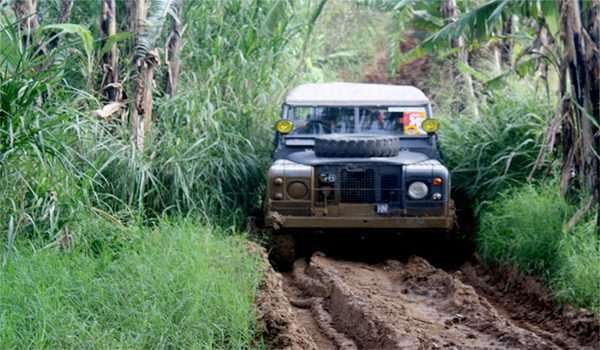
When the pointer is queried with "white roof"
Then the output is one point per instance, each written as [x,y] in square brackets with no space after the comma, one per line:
[353,94]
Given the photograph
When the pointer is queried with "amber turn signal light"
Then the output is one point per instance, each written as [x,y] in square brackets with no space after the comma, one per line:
[436,181]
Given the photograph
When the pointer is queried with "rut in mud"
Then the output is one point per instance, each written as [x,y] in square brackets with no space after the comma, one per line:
[335,304]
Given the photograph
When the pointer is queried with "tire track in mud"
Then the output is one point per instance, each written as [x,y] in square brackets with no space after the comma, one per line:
[338,304]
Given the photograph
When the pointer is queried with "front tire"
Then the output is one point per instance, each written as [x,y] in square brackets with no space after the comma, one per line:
[283,251]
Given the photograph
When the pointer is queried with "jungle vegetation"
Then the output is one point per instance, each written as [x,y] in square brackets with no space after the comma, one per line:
[134,136]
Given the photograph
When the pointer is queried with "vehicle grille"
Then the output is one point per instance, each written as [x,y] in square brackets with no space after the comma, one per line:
[357,186]
[390,188]
[361,183]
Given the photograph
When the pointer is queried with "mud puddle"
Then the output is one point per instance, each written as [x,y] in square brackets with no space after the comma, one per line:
[327,303]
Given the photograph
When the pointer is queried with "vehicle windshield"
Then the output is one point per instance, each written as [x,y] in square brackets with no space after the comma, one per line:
[380,120]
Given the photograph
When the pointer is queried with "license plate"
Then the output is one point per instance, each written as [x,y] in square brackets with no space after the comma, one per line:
[383,208]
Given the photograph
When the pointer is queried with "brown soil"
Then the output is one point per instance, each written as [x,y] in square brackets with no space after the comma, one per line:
[277,322]
[335,304]
[530,304]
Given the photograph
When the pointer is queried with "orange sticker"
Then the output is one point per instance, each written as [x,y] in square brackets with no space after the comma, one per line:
[413,122]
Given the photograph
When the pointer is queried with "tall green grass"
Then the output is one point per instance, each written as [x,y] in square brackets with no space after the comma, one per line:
[525,227]
[207,147]
[211,141]
[175,286]
[498,149]
[578,277]
[491,157]
[86,260]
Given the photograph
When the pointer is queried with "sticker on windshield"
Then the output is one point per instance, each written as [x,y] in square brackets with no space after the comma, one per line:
[413,122]
[299,142]
[406,109]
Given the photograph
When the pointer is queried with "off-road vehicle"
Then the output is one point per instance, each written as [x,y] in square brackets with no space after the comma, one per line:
[355,156]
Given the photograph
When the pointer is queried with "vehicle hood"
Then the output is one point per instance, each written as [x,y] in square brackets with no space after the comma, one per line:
[308,157]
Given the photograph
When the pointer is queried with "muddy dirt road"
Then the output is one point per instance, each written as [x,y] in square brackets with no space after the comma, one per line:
[327,303]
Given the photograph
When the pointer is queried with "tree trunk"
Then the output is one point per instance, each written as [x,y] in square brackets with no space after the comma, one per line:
[66,6]
[129,24]
[450,12]
[110,64]
[173,50]
[63,17]
[571,167]
[463,56]
[592,74]
[143,81]
[28,21]
[580,135]
[541,46]
[497,52]
[137,111]
[593,96]
[139,9]
[508,30]
[496,46]
[26,14]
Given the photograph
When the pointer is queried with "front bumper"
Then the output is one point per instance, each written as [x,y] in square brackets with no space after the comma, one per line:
[278,221]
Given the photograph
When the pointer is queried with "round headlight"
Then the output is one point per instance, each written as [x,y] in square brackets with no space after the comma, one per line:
[418,190]
[430,125]
[284,126]
[297,190]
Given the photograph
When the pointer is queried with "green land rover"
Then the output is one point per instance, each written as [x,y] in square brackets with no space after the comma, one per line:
[355,157]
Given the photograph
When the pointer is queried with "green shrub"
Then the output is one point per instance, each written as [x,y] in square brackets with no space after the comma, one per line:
[496,150]
[209,143]
[523,226]
[578,278]
[177,286]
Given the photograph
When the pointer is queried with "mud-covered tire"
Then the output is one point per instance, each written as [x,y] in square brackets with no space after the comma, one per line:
[283,251]
[348,145]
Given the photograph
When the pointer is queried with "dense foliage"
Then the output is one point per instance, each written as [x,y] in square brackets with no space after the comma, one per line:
[517,127]
[498,149]
[87,258]
[205,153]
[525,227]
[94,252]
[172,286]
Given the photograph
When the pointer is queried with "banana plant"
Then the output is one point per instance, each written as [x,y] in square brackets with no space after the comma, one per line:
[149,20]
[173,50]
[568,39]
[110,58]
[427,16]
[26,14]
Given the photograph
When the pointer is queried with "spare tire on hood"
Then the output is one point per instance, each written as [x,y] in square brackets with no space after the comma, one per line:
[356,145]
